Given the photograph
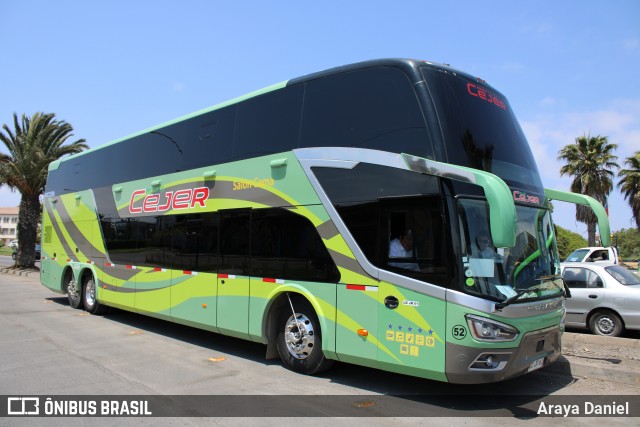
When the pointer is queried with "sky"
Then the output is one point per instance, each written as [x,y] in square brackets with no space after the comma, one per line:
[113,68]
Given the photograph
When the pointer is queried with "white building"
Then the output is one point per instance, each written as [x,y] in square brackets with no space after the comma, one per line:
[8,224]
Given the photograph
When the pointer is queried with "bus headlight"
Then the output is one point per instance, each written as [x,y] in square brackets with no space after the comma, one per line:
[484,329]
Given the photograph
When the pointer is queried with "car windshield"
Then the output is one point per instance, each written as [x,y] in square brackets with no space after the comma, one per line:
[622,275]
[577,255]
[530,268]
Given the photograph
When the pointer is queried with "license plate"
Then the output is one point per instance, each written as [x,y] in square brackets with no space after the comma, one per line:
[537,364]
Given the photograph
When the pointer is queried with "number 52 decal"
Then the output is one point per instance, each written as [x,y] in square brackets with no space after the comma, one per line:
[459,332]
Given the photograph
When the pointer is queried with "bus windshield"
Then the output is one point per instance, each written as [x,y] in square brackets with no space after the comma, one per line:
[530,268]
[480,129]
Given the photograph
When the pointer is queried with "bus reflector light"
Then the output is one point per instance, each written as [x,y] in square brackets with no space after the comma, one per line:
[363,332]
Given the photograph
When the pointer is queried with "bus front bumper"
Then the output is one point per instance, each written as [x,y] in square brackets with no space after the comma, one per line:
[468,365]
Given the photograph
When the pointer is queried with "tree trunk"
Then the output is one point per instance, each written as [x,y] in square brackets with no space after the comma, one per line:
[28,218]
[591,233]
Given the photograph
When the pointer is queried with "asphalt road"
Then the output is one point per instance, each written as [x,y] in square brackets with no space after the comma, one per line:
[47,348]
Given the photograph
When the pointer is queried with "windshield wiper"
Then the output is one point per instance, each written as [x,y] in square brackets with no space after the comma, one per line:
[512,299]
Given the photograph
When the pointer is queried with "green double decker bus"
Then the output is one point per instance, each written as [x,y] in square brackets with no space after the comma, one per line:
[387,214]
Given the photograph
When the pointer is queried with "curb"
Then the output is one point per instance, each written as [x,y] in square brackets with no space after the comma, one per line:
[620,370]
[577,367]
[571,338]
[23,273]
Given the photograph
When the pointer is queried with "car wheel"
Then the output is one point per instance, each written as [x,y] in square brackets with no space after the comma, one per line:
[606,323]
[72,291]
[299,339]
[89,298]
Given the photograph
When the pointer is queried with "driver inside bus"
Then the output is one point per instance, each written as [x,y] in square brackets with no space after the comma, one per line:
[484,248]
[402,247]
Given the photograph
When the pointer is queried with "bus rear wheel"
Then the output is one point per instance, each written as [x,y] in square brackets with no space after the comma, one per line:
[72,291]
[89,298]
[299,339]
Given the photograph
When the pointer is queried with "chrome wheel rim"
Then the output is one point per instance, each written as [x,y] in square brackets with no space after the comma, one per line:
[299,336]
[90,295]
[606,325]
[72,291]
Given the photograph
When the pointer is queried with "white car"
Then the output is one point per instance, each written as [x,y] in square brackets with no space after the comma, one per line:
[13,244]
[604,297]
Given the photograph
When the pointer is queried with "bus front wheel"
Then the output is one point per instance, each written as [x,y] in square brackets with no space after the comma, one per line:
[299,339]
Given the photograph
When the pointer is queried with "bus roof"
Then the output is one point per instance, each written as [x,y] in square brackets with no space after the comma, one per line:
[410,66]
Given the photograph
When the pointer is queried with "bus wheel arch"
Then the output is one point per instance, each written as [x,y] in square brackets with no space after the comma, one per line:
[298,340]
[72,287]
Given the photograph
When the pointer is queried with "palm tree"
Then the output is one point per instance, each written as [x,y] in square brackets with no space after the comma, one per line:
[34,143]
[590,162]
[630,185]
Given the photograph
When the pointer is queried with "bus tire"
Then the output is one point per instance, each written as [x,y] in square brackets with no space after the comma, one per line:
[606,323]
[89,297]
[74,295]
[299,340]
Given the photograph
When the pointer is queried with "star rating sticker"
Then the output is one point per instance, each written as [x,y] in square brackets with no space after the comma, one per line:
[410,329]
[419,330]
[400,327]
[390,326]
[430,331]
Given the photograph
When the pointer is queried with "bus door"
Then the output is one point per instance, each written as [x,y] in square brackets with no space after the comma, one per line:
[152,284]
[357,312]
[233,281]
[411,323]
[194,257]
[357,301]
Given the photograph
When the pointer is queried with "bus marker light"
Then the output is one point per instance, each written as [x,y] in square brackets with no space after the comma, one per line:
[363,332]
[362,288]
[204,305]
